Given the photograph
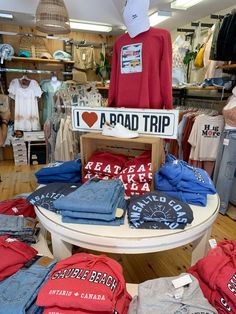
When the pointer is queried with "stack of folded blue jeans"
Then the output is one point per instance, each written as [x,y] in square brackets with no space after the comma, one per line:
[182,181]
[19,227]
[95,202]
[64,171]
[18,293]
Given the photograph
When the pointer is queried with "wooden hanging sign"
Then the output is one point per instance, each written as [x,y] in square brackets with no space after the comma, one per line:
[161,123]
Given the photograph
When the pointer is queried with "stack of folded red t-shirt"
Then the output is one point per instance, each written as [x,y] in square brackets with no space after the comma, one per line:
[17,207]
[216,274]
[104,165]
[14,254]
[85,283]
[137,175]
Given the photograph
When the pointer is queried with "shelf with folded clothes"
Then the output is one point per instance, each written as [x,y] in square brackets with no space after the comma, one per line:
[228,67]
[211,93]
[24,59]
[91,143]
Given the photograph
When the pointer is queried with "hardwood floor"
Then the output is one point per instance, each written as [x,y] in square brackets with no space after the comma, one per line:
[138,267]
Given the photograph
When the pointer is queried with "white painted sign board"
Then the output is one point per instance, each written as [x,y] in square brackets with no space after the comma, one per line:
[161,123]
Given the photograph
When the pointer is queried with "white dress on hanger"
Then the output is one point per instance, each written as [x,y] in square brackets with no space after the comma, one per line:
[179,70]
[26,105]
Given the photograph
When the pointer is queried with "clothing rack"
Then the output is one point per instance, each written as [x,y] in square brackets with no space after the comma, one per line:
[9,70]
[217,17]
[186,30]
[202,24]
[84,43]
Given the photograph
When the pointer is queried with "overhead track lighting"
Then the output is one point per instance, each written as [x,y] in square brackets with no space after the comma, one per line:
[6,16]
[159,16]
[52,17]
[86,26]
[183,4]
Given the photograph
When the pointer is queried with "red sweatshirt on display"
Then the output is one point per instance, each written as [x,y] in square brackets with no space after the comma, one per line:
[16,207]
[138,169]
[141,75]
[105,163]
[217,272]
[14,254]
[86,282]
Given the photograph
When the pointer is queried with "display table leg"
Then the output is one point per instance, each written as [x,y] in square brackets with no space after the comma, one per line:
[60,248]
[200,247]
[42,245]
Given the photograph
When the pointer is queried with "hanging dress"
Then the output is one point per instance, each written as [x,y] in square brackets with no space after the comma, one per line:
[49,90]
[26,105]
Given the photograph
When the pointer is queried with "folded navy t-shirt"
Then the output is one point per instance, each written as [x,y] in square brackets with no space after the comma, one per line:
[46,195]
[157,210]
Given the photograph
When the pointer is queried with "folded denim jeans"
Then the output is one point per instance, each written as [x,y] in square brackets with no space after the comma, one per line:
[94,196]
[96,218]
[16,224]
[19,292]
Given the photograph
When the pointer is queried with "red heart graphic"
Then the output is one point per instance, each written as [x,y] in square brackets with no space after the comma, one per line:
[89,118]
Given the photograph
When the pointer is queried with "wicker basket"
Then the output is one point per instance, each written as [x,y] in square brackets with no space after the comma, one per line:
[52,17]
[34,45]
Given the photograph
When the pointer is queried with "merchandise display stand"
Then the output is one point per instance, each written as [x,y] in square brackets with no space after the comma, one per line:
[123,239]
[131,147]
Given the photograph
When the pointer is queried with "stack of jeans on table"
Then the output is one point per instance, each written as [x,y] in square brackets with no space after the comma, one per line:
[95,202]
[22,228]
[61,171]
[18,293]
[184,182]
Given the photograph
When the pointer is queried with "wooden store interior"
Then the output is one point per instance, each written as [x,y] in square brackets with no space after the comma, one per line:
[19,179]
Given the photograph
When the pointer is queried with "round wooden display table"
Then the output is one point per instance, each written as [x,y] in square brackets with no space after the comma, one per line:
[123,239]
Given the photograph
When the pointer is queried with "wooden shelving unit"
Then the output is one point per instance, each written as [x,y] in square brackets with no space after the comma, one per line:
[228,67]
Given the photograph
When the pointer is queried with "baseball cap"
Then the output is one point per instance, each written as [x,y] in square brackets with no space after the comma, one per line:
[24,54]
[45,55]
[61,55]
[136,16]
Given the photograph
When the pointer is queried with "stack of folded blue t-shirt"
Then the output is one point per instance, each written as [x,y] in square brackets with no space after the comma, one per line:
[60,171]
[157,210]
[99,202]
[180,180]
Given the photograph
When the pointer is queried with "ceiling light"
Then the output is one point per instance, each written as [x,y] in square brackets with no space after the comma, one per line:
[183,4]
[159,17]
[90,27]
[52,17]
[6,16]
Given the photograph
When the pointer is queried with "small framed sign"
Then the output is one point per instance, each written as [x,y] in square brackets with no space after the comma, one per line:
[161,123]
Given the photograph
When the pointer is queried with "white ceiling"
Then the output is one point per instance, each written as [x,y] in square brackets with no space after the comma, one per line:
[110,11]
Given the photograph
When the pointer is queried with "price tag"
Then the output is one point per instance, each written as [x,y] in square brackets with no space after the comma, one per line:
[182,281]
[213,243]
[226,142]
[179,293]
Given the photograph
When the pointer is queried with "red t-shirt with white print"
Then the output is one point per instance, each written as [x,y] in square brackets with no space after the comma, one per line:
[105,163]
[138,169]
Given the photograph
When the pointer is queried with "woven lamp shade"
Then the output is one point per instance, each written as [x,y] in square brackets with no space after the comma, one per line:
[52,17]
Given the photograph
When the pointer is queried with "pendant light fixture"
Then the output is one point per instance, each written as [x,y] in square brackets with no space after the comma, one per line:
[52,17]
